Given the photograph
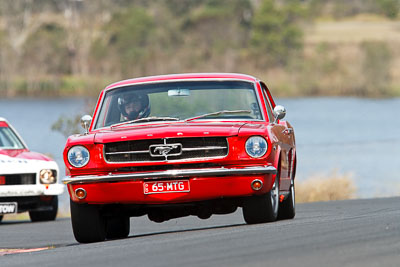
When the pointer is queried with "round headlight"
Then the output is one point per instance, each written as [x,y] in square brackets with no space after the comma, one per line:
[48,176]
[256,146]
[78,156]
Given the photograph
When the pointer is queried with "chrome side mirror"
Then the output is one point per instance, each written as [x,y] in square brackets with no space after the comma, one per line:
[279,112]
[85,122]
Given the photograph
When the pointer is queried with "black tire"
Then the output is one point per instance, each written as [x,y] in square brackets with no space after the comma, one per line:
[264,208]
[117,227]
[46,215]
[287,209]
[87,223]
[1,218]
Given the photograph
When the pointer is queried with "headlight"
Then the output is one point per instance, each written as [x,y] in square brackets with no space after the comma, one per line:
[256,146]
[78,156]
[48,176]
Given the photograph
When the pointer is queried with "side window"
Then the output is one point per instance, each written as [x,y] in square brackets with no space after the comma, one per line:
[266,99]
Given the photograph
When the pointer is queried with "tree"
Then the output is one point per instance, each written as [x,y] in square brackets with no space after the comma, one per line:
[390,8]
[129,39]
[276,33]
[45,51]
[219,30]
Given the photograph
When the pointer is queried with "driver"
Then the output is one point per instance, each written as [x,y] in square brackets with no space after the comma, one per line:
[134,106]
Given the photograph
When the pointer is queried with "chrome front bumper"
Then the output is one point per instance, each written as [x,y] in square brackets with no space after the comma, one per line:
[171,174]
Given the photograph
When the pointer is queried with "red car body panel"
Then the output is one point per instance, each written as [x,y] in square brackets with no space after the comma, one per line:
[168,130]
[131,192]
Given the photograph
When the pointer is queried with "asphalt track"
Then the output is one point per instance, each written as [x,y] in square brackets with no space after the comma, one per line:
[362,232]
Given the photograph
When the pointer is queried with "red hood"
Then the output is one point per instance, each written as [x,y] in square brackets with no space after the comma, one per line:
[169,130]
[24,154]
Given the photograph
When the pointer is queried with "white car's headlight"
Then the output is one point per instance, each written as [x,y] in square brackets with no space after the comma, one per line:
[78,156]
[48,176]
[256,146]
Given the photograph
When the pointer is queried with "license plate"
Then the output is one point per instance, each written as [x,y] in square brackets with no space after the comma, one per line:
[166,187]
[8,207]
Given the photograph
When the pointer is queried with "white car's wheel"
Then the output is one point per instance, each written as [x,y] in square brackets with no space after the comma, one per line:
[46,215]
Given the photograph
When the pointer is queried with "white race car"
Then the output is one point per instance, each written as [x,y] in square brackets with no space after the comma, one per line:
[28,180]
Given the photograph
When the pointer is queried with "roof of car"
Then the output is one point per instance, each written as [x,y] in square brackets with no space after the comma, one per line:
[4,122]
[185,76]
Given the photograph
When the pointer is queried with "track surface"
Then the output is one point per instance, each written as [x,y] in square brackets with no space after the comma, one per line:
[342,233]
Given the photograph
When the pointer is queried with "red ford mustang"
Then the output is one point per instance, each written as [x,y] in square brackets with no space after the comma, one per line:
[178,145]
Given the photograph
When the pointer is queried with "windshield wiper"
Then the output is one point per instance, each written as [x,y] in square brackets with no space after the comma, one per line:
[145,120]
[219,113]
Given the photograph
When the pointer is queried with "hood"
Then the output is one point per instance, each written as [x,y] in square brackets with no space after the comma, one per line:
[24,154]
[169,130]
[11,165]
[254,129]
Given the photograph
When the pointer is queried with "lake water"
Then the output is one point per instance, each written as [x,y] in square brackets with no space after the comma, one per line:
[350,135]
[346,135]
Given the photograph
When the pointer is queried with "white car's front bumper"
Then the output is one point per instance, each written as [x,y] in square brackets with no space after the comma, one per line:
[31,190]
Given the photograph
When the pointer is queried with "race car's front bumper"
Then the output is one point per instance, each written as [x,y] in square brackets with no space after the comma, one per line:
[31,190]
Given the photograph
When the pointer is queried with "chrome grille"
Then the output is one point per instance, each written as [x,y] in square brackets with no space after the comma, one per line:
[166,149]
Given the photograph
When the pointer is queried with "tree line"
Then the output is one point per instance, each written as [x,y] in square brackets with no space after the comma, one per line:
[60,48]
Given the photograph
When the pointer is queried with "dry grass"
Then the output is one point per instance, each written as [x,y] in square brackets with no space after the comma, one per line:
[17,217]
[355,32]
[329,187]
[345,38]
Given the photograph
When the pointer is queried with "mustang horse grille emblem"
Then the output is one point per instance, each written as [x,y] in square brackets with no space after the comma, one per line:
[165,150]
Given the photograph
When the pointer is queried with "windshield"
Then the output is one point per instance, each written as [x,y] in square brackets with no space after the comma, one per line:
[8,139]
[194,100]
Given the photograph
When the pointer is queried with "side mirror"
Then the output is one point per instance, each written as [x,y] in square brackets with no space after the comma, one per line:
[279,112]
[85,122]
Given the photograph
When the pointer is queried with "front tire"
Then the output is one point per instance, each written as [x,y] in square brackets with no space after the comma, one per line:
[87,223]
[46,215]
[117,227]
[287,209]
[264,208]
